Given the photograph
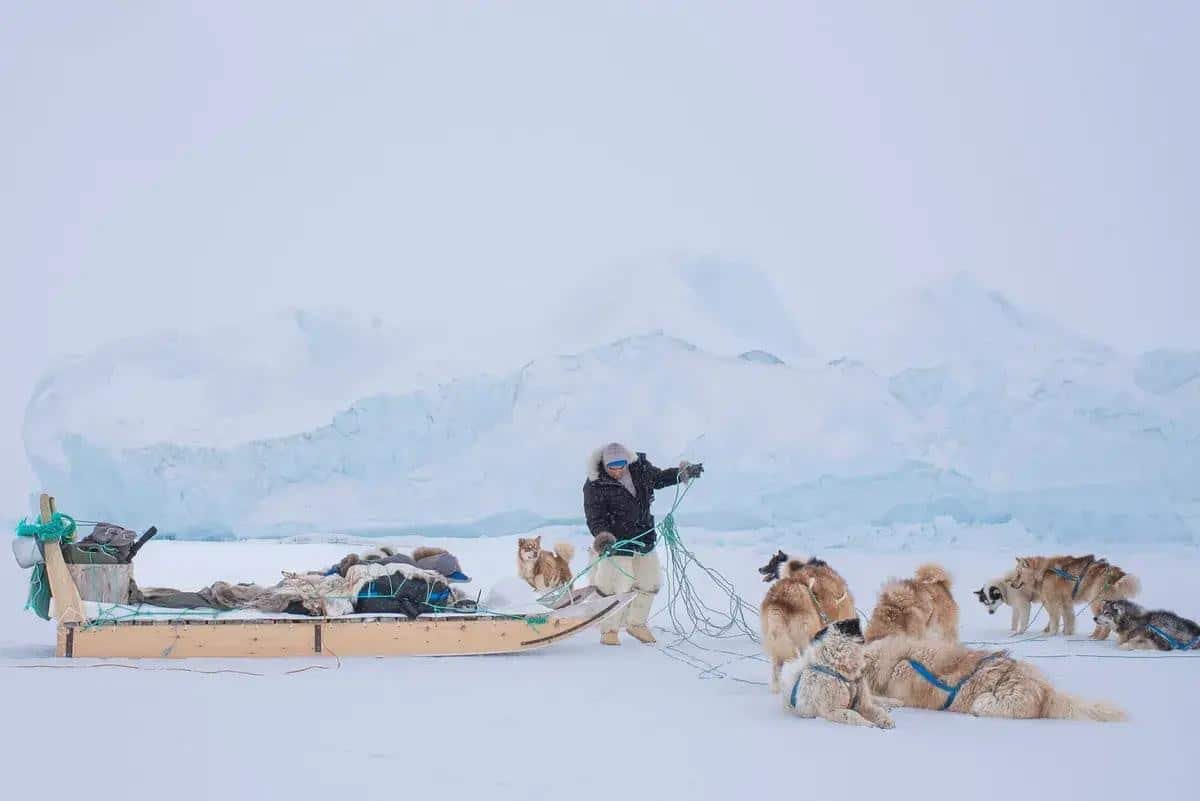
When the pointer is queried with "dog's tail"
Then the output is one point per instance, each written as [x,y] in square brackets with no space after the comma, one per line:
[1063,706]
[1123,588]
[565,551]
[932,574]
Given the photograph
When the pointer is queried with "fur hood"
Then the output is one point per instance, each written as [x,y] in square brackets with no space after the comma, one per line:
[594,467]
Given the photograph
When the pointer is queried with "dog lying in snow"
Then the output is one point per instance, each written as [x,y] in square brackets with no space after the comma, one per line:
[934,674]
[921,606]
[1064,581]
[1153,630]
[827,681]
[805,597]
[1009,589]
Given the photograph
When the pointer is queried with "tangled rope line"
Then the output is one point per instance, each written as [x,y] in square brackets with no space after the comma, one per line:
[692,618]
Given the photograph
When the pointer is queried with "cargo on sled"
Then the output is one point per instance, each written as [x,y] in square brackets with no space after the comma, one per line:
[89,599]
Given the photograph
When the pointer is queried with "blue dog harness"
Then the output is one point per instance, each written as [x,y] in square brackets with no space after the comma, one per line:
[1058,571]
[951,690]
[1175,644]
[828,671]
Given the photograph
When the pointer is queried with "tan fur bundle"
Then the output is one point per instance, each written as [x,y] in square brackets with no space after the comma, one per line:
[843,696]
[992,685]
[921,606]
[544,570]
[808,596]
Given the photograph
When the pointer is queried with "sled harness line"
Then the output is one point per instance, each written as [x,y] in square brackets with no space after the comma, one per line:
[951,690]
[820,612]
[1176,645]
[828,671]
[1058,571]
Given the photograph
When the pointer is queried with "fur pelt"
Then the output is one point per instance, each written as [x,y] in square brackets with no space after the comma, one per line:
[818,694]
[921,606]
[594,467]
[544,570]
[1133,626]
[1100,582]
[804,600]
[1001,687]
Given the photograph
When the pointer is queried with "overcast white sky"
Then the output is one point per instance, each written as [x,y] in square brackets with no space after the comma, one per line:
[162,163]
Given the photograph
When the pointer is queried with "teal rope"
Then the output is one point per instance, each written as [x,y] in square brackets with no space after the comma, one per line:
[61,527]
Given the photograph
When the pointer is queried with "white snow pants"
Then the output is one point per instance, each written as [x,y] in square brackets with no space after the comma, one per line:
[619,574]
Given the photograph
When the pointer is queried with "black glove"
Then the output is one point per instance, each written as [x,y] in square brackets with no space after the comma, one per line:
[603,542]
[693,470]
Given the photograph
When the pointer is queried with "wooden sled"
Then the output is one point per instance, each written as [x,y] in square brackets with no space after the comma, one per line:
[439,635]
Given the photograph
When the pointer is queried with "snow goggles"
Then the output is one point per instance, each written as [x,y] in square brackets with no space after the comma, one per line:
[617,464]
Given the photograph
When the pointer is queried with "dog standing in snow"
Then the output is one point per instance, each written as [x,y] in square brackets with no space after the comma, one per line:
[921,606]
[828,682]
[934,674]
[1064,581]
[805,598]
[1011,590]
[544,570]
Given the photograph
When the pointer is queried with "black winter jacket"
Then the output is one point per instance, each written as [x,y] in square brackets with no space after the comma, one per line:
[608,506]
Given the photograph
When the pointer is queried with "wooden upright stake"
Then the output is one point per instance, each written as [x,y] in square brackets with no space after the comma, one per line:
[67,605]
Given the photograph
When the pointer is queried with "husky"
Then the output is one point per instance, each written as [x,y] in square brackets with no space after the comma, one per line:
[544,570]
[805,598]
[1064,581]
[934,674]
[1153,630]
[1009,589]
[827,681]
[921,606]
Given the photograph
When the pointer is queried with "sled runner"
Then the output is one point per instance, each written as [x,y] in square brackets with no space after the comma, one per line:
[90,629]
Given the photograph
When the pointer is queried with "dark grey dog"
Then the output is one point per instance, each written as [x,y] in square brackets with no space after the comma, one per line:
[1149,630]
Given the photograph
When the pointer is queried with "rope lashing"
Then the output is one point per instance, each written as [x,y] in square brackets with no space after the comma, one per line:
[60,527]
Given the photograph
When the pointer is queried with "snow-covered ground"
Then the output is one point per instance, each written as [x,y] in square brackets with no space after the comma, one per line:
[577,720]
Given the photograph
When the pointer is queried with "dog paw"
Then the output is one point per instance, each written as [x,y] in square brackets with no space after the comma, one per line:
[885,723]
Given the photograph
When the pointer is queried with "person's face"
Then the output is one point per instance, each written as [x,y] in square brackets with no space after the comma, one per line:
[615,473]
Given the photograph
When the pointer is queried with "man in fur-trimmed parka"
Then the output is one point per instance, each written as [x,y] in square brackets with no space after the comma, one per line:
[616,501]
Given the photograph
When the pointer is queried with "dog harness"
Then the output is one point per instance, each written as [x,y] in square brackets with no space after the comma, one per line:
[820,612]
[951,690]
[1058,571]
[1175,644]
[828,671]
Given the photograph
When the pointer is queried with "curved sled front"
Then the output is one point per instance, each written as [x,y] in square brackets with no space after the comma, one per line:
[448,635]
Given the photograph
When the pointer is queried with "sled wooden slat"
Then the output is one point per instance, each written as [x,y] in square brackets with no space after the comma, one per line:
[429,636]
[166,640]
[65,603]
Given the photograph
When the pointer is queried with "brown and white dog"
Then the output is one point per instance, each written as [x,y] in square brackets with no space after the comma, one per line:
[1009,589]
[921,606]
[805,598]
[828,682]
[544,570]
[934,674]
[1063,581]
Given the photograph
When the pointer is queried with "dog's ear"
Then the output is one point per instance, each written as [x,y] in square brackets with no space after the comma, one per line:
[849,628]
[820,634]
[981,595]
